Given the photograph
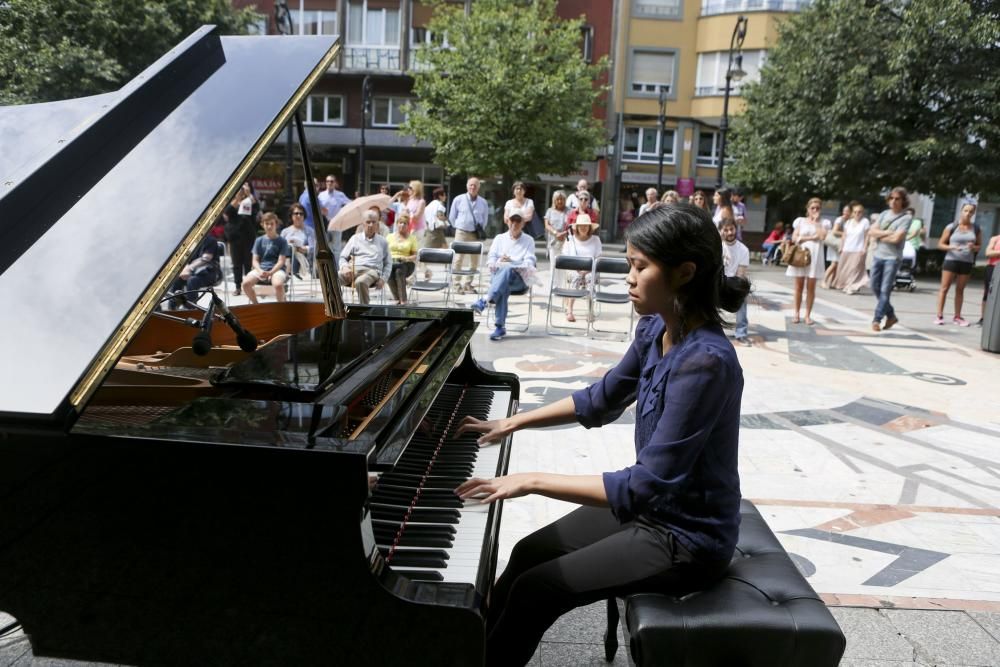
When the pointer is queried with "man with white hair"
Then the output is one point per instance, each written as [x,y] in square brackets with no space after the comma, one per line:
[652,196]
[468,212]
[581,186]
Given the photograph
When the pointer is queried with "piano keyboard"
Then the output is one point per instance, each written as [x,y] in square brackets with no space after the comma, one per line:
[422,529]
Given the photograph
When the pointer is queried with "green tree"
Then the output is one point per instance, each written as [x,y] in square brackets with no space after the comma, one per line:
[857,96]
[58,49]
[509,94]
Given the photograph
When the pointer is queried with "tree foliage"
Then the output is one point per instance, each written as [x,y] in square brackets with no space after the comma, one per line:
[58,49]
[509,93]
[857,96]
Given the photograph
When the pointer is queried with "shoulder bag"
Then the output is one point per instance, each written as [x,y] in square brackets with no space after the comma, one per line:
[793,254]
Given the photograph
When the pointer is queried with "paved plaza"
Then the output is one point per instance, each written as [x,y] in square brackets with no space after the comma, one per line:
[875,458]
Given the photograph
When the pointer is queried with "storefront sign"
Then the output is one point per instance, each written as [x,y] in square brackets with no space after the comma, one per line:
[685,187]
[587,170]
[642,177]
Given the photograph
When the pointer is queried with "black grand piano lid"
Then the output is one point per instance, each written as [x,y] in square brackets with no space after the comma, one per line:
[102,199]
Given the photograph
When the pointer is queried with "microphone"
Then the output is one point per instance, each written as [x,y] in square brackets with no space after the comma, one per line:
[246,340]
[202,341]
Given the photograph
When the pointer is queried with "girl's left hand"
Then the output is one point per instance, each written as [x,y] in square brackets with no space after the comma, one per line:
[498,488]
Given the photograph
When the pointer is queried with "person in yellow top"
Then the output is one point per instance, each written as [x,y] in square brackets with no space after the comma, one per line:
[403,248]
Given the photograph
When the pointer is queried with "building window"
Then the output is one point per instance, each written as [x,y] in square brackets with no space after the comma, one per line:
[657,9]
[314,22]
[587,35]
[398,175]
[712,7]
[373,22]
[372,35]
[325,110]
[388,111]
[652,71]
[642,144]
[708,149]
[711,78]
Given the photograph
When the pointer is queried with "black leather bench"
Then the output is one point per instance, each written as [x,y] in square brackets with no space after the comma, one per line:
[762,613]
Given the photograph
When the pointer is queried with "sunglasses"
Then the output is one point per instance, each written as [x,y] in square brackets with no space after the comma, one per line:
[299,213]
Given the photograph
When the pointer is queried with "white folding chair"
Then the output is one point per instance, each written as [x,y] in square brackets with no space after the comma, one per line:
[574,264]
[609,287]
[438,262]
[475,249]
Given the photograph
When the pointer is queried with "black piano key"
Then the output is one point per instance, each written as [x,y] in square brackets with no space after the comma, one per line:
[443,530]
[419,575]
[432,481]
[423,558]
[419,515]
[407,540]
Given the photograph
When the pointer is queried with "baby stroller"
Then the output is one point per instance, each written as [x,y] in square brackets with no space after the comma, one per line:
[904,276]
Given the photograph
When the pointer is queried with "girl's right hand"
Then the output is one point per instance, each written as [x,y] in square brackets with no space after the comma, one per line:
[492,431]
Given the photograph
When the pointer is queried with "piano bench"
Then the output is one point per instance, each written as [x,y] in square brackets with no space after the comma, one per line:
[761,613]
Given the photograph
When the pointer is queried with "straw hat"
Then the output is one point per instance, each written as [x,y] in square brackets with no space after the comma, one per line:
[584,219]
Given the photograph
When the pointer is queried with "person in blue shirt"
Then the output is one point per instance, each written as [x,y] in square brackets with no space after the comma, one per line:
[670,521]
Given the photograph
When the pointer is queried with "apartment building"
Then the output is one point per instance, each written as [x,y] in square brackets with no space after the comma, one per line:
[379,39]
[681,48]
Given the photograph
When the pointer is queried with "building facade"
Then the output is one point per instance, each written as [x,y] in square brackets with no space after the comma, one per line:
[680,48]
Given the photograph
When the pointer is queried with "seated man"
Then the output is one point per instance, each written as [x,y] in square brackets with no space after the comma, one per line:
[302,239]
[512,262]
[365,260]
[202,270]
[270,253]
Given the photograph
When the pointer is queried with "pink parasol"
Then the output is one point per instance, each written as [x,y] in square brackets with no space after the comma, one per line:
[353,213]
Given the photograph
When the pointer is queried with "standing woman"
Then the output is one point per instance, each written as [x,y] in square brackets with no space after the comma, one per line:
[832,255]
[851,275]
[992,259]
[670,521]
[519,203]
[670,197]
[416,205]
[556,228]
[699,199]
[962,240]
[723,201]
[808,232]
[241,232]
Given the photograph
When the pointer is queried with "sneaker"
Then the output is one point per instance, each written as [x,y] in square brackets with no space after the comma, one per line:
[498,333]
[479,305]
[939,320]
[468,289]
[960,321]
[889,323]
[876,326]
[980,322]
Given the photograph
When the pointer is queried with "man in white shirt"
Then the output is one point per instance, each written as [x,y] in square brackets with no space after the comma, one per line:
[582,186]
[511,259]
[331,201]
[365,260]
[652,196]
[468,211]
[736,263]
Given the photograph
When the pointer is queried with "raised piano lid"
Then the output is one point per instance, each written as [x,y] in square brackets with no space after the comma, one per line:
[102,199]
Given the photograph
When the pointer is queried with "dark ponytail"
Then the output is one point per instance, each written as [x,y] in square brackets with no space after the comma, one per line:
[676,233]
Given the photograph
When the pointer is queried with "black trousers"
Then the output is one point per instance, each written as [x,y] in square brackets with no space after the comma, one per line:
[241,254]
[584,557]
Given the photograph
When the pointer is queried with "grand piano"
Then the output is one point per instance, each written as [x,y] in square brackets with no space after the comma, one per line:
[290,504]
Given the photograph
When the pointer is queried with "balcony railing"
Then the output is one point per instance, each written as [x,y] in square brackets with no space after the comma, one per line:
[372,58]
[707,91]
[712,7]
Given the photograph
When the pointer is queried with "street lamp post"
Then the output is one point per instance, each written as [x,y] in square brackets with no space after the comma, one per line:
[366,113]
[662,121]
[735,58]
[283,24]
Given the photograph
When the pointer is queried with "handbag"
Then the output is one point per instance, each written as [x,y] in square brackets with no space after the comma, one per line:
[795,255]
[831,241]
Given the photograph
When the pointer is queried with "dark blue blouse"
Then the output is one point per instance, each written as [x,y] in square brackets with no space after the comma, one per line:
[686,435]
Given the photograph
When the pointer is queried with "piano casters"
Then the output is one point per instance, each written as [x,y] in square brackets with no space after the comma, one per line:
[201,344]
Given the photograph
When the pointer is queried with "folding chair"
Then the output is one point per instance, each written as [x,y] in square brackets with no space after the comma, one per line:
[474,248]
[306,269]
[521,292]
[441,258]
[568,263]
[615,266]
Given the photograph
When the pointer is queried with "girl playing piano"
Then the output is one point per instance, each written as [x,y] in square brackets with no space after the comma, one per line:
[670,521]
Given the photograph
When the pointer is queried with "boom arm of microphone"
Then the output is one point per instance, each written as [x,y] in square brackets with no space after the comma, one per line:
[246,340]
[201,344]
